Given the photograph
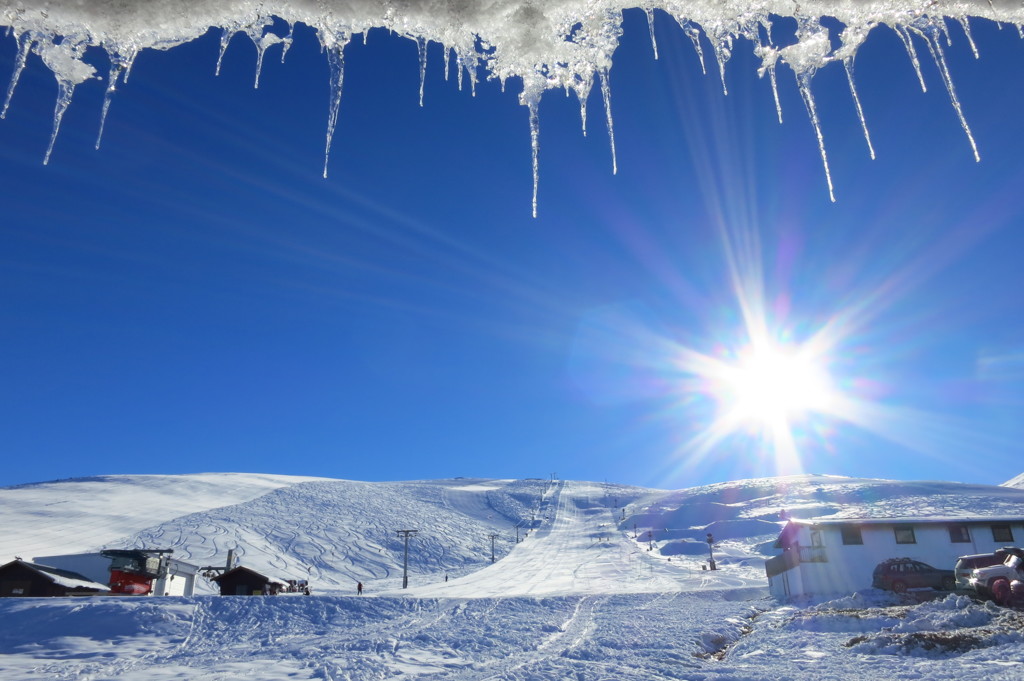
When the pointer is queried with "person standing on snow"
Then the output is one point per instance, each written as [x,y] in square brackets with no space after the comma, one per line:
[359,588]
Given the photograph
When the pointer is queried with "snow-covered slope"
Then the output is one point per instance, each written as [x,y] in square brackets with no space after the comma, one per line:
[82,514]
[605,584]
[1015,482]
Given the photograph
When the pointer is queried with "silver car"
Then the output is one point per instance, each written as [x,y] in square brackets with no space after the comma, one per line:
[966,565]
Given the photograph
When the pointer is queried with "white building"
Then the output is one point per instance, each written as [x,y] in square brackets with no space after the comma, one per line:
[838,556]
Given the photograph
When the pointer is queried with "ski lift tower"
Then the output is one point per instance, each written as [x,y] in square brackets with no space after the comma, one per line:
[405,562]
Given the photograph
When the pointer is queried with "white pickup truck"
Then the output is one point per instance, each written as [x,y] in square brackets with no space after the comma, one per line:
[997,581]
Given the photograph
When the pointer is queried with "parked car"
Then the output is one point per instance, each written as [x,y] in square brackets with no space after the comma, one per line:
[997,581]
[966,565]
[900,574]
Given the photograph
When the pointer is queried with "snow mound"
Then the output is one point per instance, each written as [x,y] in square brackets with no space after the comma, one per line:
[947,628]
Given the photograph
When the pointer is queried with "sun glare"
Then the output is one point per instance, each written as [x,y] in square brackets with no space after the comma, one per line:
[771,385]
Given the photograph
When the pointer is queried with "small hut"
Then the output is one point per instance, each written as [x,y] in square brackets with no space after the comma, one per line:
[21,578]
[241,581]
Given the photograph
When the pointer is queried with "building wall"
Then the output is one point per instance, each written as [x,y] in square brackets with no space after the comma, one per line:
[848,567]
[243,584]
[177,583]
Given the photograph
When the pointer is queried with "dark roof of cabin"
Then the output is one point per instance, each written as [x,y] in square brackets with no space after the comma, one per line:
[55,574]
[242,571]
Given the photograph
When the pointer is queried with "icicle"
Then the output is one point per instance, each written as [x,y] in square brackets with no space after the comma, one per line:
[459,69]
[447,60]
[336,59]
[606,94]
[804,83]
[769,60]
[535,149]
[970,38]
[421,43]
[470,71]
[128,59]
[582,89]
[261,49]
[65,89]
[225,37]
[650,27]
[694,34]
[287,41]
[533,88]
[25,42]
[65,61]
[262,39]
[112,76]
[1020,31]
[932,35]
[721,43]
[848,65]
[775,92]
[908,43]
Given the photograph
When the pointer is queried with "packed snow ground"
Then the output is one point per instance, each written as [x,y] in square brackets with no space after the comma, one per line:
[584,595]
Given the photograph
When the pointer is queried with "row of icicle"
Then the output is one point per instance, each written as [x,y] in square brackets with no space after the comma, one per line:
[812,51]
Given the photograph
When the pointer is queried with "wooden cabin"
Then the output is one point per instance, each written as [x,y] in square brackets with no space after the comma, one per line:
[241,581]
[20,578]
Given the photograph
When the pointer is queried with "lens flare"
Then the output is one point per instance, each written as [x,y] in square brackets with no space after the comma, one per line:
[772,383]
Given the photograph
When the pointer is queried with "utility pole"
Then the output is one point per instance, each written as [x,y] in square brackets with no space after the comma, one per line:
[405,563]
[493,537]
[711,554]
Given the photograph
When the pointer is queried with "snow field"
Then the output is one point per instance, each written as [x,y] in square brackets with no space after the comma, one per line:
[579,598]
[723,635]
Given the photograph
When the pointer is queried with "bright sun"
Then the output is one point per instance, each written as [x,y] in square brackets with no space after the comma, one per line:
[774,385]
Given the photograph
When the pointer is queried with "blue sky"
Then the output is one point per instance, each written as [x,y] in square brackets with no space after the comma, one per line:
[195,297]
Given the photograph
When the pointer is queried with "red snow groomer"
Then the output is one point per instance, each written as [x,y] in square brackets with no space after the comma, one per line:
[132,571]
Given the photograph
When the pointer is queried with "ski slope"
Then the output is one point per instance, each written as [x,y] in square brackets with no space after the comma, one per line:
[79,515]
[581,550]
[606,584]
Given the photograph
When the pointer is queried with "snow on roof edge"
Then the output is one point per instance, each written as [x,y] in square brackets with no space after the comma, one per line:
[909,519]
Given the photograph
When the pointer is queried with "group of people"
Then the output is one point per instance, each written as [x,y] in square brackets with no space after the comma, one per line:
[359,585]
